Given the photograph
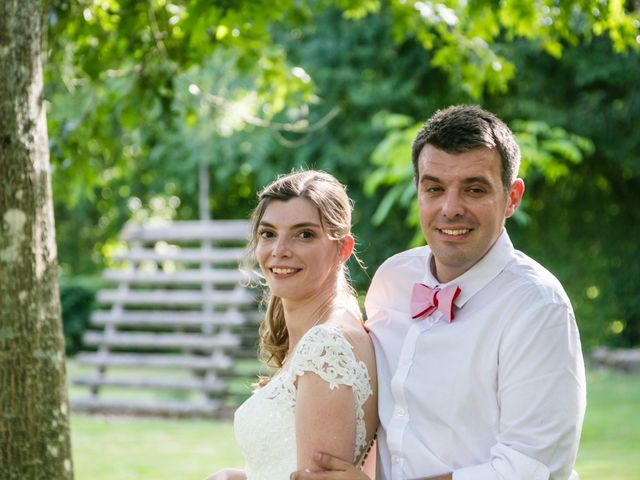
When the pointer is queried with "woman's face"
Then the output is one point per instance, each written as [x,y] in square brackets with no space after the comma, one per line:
[296,255]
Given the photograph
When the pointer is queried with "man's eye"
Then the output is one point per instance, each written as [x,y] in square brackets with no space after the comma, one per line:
[433,189]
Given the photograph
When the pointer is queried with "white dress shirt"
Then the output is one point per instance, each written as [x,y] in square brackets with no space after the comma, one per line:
[499,393]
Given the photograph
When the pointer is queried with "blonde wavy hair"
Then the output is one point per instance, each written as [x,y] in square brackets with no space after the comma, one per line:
[334,206]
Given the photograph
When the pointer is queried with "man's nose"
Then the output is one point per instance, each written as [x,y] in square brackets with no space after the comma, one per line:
[453,205]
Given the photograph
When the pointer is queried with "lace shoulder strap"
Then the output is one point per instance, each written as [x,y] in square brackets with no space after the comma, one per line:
[326,352]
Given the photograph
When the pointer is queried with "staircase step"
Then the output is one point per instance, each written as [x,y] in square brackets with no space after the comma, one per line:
[183,318]
[175,297]
[162,340]
[165,408]
[204,385]
[218,362]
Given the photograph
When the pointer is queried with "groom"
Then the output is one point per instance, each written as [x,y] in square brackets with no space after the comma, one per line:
[479,361]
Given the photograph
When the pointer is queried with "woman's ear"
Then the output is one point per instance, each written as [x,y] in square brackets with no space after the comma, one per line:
[346,248]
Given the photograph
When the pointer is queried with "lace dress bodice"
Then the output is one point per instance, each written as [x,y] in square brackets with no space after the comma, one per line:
[265,423]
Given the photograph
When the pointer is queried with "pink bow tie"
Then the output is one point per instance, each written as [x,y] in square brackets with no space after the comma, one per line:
[426,300]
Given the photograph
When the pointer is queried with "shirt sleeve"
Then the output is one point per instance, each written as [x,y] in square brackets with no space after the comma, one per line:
[542,399]
[390,286]
[377,294]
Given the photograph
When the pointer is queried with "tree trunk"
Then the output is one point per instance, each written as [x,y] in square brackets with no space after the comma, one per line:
[34,426]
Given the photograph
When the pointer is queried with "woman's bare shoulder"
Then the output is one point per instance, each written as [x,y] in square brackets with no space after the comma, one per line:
[352,329]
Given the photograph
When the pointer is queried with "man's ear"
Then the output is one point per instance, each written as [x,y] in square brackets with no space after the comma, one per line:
[514,197]
[346,248]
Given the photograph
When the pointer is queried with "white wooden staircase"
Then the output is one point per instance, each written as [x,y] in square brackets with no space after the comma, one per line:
[177,305]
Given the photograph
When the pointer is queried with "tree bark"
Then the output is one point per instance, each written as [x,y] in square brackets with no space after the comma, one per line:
[34,424]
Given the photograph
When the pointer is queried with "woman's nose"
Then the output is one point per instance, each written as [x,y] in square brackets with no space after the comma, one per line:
[281,248]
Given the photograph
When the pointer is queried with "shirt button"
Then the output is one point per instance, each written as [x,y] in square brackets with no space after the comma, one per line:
[401,412]
[396,460]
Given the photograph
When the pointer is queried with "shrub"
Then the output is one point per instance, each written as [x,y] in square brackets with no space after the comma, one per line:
[77,298]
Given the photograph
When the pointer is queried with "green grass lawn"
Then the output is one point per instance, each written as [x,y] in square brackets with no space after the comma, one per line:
[610,443]
[117,448]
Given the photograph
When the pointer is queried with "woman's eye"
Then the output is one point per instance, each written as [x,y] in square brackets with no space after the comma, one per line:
[305,234]
[265,234]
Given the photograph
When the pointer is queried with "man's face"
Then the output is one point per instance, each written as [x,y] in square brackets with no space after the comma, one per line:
[462,205]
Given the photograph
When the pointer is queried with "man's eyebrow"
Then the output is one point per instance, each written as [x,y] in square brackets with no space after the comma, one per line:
[467,181]
[478,179]
[429,178]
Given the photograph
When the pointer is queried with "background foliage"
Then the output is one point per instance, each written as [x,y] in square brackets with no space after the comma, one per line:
[142,93]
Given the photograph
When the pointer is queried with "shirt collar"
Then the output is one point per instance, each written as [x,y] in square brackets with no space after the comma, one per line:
[474,279]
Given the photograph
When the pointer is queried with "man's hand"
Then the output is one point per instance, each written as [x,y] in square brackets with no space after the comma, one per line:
[228,474]
[332,469]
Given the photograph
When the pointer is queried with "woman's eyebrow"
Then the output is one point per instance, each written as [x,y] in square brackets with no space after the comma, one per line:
[297,225]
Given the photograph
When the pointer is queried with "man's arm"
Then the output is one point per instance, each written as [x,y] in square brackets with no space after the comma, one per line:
[541,392]
[542,395]
[336,469]
[333,469]
[228,474]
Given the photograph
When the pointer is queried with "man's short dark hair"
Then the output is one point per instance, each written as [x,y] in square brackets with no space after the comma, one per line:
[461,128]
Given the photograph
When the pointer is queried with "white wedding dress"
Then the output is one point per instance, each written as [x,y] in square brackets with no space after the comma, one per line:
[265,424]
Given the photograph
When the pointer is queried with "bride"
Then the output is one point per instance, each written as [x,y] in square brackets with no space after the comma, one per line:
[323,393]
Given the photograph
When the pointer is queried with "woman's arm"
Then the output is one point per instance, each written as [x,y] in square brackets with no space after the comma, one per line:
[325,420]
